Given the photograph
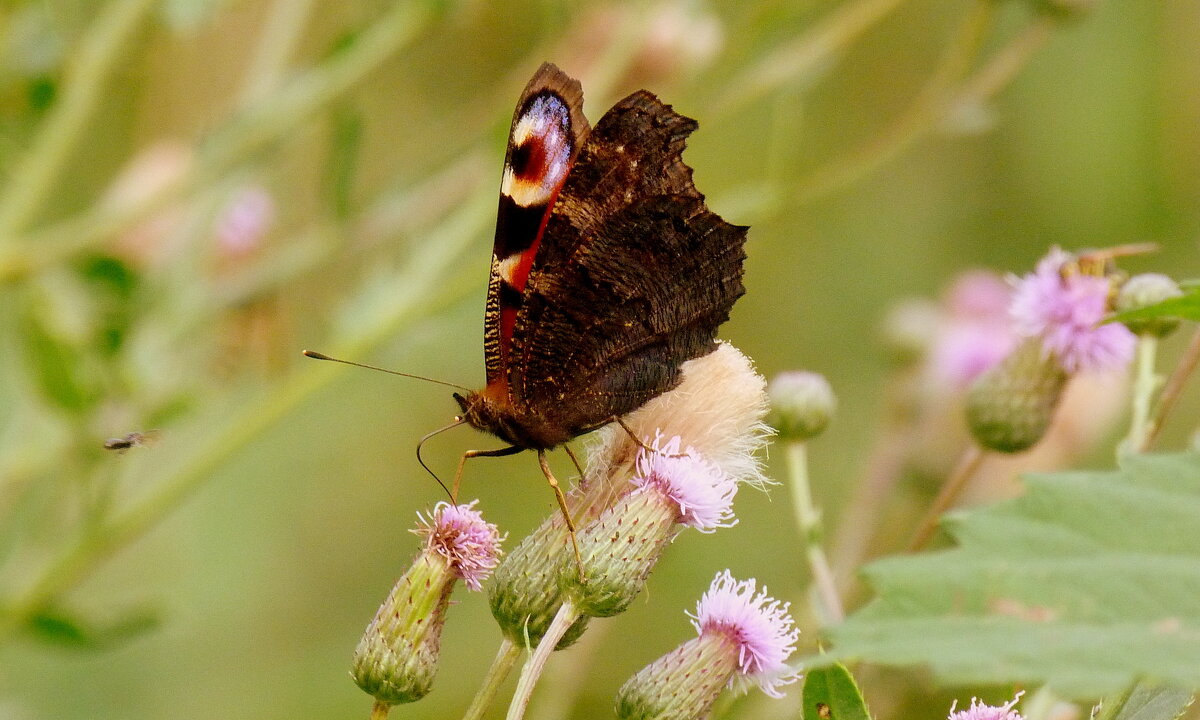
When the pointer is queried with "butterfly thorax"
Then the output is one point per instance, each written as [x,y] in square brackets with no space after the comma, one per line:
[491,411]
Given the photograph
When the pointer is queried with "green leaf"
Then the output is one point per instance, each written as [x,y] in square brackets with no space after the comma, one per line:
[1185,307]
[69,629]
[1087,582]
[1146,702]
[831,694]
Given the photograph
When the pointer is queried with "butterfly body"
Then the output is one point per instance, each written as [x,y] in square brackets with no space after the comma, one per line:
[608,270]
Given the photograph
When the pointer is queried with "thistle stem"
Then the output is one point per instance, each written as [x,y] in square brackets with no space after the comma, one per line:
[566,617]
[502,665]
[380,710]
[953,487]
[1173,389]
[808,520]
[1144,385]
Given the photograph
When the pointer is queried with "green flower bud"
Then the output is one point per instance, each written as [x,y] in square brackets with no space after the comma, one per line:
[1145,290]
[802,403]
[1011,405]
[396,660]
[523,592]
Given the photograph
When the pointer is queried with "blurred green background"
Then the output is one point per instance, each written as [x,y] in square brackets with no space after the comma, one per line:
[192,192]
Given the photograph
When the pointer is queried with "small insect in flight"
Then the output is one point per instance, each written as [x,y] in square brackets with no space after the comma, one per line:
[130,440]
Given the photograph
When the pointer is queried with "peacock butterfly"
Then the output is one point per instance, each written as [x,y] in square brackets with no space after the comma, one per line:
[608,270]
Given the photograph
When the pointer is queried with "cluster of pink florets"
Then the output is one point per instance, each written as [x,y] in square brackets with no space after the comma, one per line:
[461,535]
[701,491]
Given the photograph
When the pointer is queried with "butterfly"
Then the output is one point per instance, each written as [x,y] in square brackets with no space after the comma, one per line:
[608,270]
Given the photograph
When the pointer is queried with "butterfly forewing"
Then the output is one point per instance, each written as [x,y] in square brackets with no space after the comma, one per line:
[632,278]
[547,131]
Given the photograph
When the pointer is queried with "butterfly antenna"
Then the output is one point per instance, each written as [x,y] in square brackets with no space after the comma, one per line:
[457,421]
[321,356]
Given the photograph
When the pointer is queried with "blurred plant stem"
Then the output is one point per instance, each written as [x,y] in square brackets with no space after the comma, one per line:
[808,521]
[1173,389]
[935,100]
[32,178]
[255,126]
[415,287]
[502,665]
[281,34]
[967,466]
[1146,383]
[809,54]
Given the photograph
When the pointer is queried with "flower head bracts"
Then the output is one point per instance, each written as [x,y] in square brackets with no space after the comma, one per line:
[982,711]
[1064,307]
[460,534]
[759,625]
[702,492]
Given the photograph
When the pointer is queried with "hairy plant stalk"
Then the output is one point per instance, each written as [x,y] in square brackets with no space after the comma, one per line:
[506,657]
[532,670]
[808,520]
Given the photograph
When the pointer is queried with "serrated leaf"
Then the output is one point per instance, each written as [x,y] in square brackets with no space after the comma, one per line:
[1186,307]
[830,693]
[1086,582]
[1146,702]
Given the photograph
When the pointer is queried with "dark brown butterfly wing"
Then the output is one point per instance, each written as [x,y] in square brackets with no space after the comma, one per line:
[632,278]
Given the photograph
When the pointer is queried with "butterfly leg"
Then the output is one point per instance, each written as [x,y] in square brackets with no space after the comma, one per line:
[638,441]
[566,513]
[473,454]
[575,460]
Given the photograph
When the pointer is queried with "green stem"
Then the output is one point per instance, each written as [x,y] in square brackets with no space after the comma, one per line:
[563,620]
[281,33]
[808,520]
[502,665]
[809,54]
[929,108]
[380,710]
[1173,389]
[1145,384]
[264,121]
[420,282]
[953,487]
[84,87]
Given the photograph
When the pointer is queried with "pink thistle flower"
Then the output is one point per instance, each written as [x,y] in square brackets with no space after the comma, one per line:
[460,534]
[1065,311]
[982,711]
[759,625]
[703,494]
[244,221]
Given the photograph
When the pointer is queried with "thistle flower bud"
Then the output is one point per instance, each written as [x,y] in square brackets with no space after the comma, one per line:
[802,404]
[1145,290]
[1010,406]
[909,330]
[744,638]
[396,660]
[622,546]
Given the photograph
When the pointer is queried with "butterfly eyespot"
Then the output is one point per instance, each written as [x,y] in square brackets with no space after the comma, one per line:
[529,160]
